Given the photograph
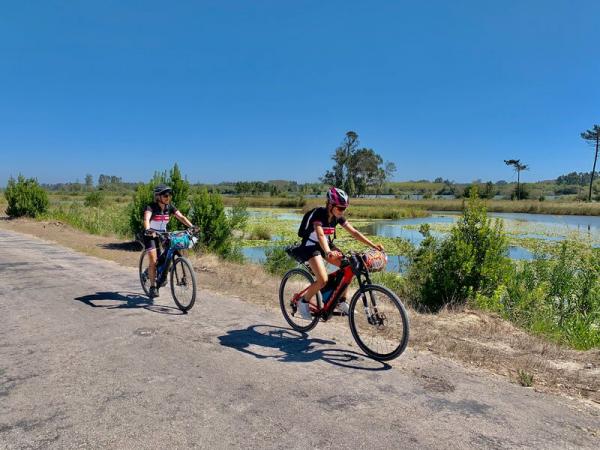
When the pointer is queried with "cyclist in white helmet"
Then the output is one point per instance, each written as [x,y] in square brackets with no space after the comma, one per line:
[317,244]
[156,218]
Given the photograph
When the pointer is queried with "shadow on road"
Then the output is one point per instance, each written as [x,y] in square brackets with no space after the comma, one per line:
[132,246]
[294,347]
[129,300]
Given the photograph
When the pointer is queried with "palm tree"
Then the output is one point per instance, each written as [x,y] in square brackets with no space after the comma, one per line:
[516,163]
[592,136]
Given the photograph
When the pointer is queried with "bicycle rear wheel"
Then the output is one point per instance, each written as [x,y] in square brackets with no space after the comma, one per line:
[143,269]
[294,282]
[378,322]
[183,284]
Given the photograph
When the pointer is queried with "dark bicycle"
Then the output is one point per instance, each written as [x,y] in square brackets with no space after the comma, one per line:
[376,316]
[174,267]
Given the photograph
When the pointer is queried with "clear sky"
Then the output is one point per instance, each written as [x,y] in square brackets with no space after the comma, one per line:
[267,89]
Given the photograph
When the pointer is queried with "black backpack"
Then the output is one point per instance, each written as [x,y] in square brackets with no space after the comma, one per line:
[304,229]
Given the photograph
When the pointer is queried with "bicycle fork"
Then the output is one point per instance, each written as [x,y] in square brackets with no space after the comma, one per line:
[374,317]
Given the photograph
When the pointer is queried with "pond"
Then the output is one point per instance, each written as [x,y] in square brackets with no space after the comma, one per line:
[520,225]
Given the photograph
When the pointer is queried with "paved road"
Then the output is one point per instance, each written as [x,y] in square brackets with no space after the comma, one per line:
[87,362]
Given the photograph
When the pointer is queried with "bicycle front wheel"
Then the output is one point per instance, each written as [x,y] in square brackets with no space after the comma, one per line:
[294,282]
[143,269]
[183,284]
[378,322]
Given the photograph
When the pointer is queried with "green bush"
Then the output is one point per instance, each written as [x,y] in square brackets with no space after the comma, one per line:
[208,212]
[556,295]
[260,232]
[277,261]
[25,197]
[95,199]
[473,259]
[238,216]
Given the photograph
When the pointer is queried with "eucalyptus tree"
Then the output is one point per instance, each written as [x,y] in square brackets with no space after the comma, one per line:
[357,169]
[518,167]
[592,137]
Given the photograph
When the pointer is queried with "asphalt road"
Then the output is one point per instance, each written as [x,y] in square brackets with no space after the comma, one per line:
[87,362]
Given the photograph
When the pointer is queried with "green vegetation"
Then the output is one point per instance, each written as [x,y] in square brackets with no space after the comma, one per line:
[525,378]
[357,170]
[95,199]
[108,219]
[277,261]
[208,213]
[473,259]
[25,197]
[556,295]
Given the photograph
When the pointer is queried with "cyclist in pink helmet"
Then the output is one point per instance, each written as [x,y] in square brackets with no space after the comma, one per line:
[317,244]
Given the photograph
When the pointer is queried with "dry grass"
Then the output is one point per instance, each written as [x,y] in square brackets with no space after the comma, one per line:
[473,337]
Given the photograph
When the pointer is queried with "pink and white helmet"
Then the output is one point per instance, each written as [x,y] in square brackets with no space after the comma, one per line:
[337,197]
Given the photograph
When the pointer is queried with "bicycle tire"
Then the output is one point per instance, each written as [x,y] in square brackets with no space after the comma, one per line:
[185,282]
[144,281]
[285,302]
[359,324]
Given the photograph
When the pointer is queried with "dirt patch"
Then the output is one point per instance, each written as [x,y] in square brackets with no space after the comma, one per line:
[475,338]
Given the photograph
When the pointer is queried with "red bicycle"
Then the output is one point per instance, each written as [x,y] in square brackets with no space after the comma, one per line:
[376,316]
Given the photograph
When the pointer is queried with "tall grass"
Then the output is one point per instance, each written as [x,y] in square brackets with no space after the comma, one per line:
[109,220]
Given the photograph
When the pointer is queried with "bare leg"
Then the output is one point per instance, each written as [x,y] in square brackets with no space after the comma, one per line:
[317,265]
[152,258]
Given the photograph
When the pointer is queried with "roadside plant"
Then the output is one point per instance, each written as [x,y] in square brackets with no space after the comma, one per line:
[473,259]
[25,197]
[208,212]
[277,261]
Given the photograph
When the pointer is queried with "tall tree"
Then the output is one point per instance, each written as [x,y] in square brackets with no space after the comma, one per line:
[592,137]
[357,169]
[341,173]
[518,167]
[89,182]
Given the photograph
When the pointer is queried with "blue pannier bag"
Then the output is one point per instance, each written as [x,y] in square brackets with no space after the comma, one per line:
[181,241]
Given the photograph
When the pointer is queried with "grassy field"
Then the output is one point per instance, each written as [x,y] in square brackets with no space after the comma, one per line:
[389,208]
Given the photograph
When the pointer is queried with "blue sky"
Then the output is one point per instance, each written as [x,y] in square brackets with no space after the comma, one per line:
[266,89]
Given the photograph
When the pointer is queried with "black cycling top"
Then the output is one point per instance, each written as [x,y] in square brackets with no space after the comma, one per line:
[160,217]
[320,216]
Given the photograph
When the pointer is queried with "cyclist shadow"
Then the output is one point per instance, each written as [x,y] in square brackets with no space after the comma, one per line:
[129,300]
[295,347]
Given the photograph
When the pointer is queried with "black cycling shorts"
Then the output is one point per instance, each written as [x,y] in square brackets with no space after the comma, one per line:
[303,253]
[151,243]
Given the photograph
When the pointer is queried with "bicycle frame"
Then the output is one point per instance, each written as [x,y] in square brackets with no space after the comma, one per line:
[352,266]
[169,253]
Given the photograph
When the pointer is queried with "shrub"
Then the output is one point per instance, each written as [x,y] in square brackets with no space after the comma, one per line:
[260,232]
[277,261]
[238,217]
[25,197]
[208,212]
[473,259]
[95,199]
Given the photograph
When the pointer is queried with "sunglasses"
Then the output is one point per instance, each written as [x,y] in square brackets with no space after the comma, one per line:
[168,194]
[340,208]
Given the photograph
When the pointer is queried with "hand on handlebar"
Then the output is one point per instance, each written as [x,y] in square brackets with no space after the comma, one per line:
[379,247]
[150,232]
[335,257]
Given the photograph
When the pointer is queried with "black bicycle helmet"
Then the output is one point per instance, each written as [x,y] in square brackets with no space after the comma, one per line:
[162,189]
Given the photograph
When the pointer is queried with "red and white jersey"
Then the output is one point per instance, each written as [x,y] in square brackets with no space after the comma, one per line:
[160,217]
[320,216]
